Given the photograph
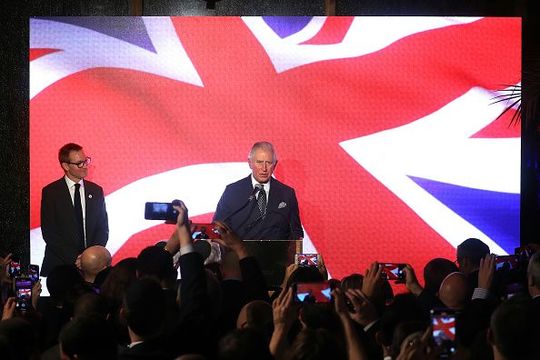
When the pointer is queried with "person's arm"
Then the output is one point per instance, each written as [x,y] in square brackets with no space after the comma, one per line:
[364,311]
[49,227]
[9,308]
[102,222]
[284,313]
[252,276]
[373,282]
[411,281]
[485,277]
[355,349]
[193,286]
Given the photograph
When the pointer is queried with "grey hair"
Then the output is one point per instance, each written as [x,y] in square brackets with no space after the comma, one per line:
[263,145]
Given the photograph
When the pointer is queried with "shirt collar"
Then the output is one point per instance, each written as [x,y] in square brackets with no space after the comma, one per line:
[266,186]
[70,183]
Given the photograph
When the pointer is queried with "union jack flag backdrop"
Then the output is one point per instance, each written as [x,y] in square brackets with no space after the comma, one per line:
[384,125]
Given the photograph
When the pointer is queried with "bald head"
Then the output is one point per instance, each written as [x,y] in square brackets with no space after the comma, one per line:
[453,291]
[93,260]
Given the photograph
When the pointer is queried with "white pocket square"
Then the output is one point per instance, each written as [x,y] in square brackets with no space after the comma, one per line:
[282,205]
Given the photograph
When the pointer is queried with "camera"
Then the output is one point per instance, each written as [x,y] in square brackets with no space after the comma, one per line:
[393,271]
[160,211]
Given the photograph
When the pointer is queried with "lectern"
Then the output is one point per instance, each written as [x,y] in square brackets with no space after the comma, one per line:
[274,256]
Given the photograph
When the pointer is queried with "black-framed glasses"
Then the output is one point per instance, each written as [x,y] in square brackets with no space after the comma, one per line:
[82,163]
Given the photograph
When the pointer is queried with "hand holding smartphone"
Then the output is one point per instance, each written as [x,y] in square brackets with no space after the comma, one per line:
[23,293]
[393,271]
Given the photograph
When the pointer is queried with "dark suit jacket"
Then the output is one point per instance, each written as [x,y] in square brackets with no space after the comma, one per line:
[282,220]
[58,223]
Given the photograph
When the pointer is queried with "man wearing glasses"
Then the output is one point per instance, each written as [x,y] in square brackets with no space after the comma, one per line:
[260,207]
[73,214]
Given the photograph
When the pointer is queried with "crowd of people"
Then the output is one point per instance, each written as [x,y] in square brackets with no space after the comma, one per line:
[138,309]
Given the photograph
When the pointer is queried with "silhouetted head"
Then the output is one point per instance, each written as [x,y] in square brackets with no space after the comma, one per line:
[435,271]
[469,253]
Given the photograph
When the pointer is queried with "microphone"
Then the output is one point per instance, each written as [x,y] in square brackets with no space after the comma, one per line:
[254,192]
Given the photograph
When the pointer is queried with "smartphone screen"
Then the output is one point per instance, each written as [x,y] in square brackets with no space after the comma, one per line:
[393,271]
[33,272]
[204,231]
[14,268]
[506,263]
[23,293]
[160,211]
[444,331]
[318,292]
[306,259]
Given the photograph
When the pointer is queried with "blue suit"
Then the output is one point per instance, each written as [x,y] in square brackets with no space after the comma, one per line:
[282,220]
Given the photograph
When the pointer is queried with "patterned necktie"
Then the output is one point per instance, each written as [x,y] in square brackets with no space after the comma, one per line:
[77,205]
[261,200]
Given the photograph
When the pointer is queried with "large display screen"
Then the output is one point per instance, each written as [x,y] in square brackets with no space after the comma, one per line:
[387,127]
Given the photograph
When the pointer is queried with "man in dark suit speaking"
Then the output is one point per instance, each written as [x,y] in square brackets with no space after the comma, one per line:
[260,207]
[73,214]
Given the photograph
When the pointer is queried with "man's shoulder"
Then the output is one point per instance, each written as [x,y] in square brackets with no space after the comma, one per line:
[240,183]
[276,184]
[55,185]
[90,184]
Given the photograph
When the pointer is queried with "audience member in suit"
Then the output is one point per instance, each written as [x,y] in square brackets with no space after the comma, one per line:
[239,204]
[62,231]
[468,256]
[114,288]
[144,310]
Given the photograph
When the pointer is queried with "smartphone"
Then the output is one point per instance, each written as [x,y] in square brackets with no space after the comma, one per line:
[443,322]
[204,231]
[393,271]
[33,272]
[14,267]
[160,211]
[306,259]
[318,292]
[23,293]
[506,262]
